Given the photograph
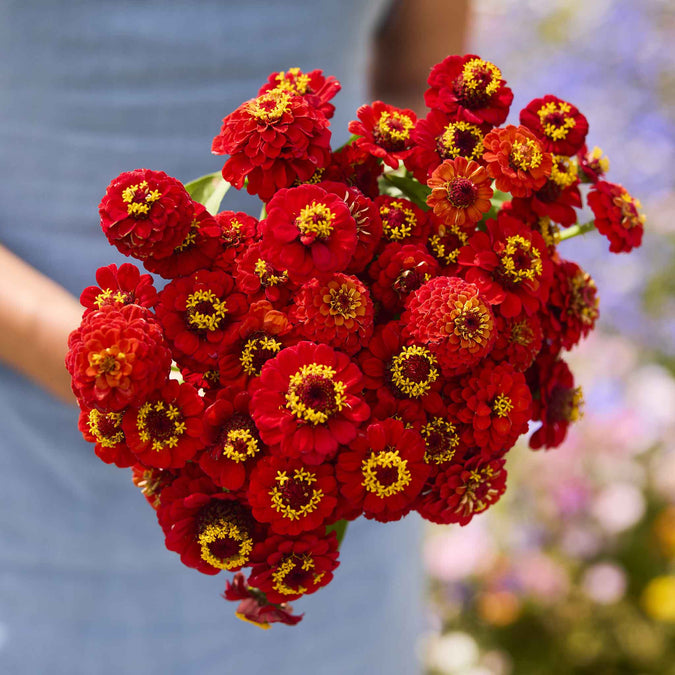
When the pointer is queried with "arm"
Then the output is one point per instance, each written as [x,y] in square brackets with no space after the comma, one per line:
[415,35]
[36,317]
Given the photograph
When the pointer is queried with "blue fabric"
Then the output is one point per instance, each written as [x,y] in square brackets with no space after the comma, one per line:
[88,89]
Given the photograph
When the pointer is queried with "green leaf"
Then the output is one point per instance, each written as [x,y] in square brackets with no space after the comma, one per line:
[340,528]
[208,190]
[411,188]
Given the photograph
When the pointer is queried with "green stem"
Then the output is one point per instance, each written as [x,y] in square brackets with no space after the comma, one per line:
[576,230]
[340,528]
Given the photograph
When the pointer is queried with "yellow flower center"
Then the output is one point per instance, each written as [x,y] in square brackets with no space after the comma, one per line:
[225,544]
[266,274]
[441,440]
[294,496]
[205,310]
[526,155]
[106,428]
[316,219]
[270,106]
[393,129]
[160,423]
[461,139]
[520,260]
[502,406]
[398,220]
[139,199]
[293,80]
[300,568]
[413,370]
[313,395]
[385,473]
[256,352]
[240,445]
[556,120]
[481,77]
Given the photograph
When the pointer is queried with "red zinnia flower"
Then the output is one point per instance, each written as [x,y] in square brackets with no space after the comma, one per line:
[460,192]
[572,307]
[291,496]
[402,221]
[558,404]
[519,340]
[314,87]
[291,568]
[442,434]
[338,312]
[165,430]
[146,213]
[307,401]
[617,216]
[200,315]
[231,439]
[384,131]
[355,167]
[105,430]
[497,402]
[593,164]
[309,232]
[123,286]
[254,607]
[439,137]
[445,243]
[560,125]
[510,265]
[462,490]
[470,89]
[209,528]
[516,160]
[116,357]
[237,232]
[451,317]
[383,470]
[274,140]
[197,251]
[256,276]
[398,272]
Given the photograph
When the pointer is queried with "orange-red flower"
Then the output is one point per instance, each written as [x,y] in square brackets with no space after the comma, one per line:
[116,357]
[516,160]
[123,286]
[105,430]
[460,192]
[617,216]
[338,312]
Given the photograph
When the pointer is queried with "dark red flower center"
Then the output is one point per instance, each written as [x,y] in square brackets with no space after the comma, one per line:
[477,83]
[294,494]
[564,404]
[204,311]
[161,423]
[257,350]
[441,439]
[409,280]
[412,371]
[460,139]
[461,192]
[224,535]
[314,395]
[238,439]
[392,130]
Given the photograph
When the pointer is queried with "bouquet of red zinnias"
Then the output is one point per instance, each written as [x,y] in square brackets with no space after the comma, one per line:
[373,344]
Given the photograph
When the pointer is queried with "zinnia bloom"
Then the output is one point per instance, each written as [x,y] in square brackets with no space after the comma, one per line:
[119,286]
[309,232]
[617,216]
[451,317]
[384,131]
[469,88]
[116,357]
[105,430]
[274,140]
[516,160]
[290,568]
[338,312]
[402,221]
[307,401]
[164,431]
[291,496]
[210,529]
[560,125]
[146,214]
[151,481]
[460,192]
[383,470]
[462,490]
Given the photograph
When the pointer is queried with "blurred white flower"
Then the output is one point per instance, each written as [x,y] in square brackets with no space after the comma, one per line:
[618,507]
[605,583]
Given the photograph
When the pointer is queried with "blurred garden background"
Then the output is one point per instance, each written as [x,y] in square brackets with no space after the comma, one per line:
[574,570]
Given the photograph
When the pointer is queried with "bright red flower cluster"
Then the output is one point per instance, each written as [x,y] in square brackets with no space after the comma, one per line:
[373,345]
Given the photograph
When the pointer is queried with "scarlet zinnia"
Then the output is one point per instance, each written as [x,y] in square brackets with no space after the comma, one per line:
[496,401]
[256,276]
[440,137]
[519,340]
[291,496]
[338,312]
[516,160]
[164,430]
[383,470]
[233,445]
[123,286]
[274,140]
[105,430]
[462,490]
[451,317]
[237,231]
[200,315]
[210,529]
[460,192]
[307,401]
[290,568]
[560,125]
[116,357]
[151,482]
[384,131]
[617,216]
[146,214]
[309,232]
[469,88]
[402,221]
